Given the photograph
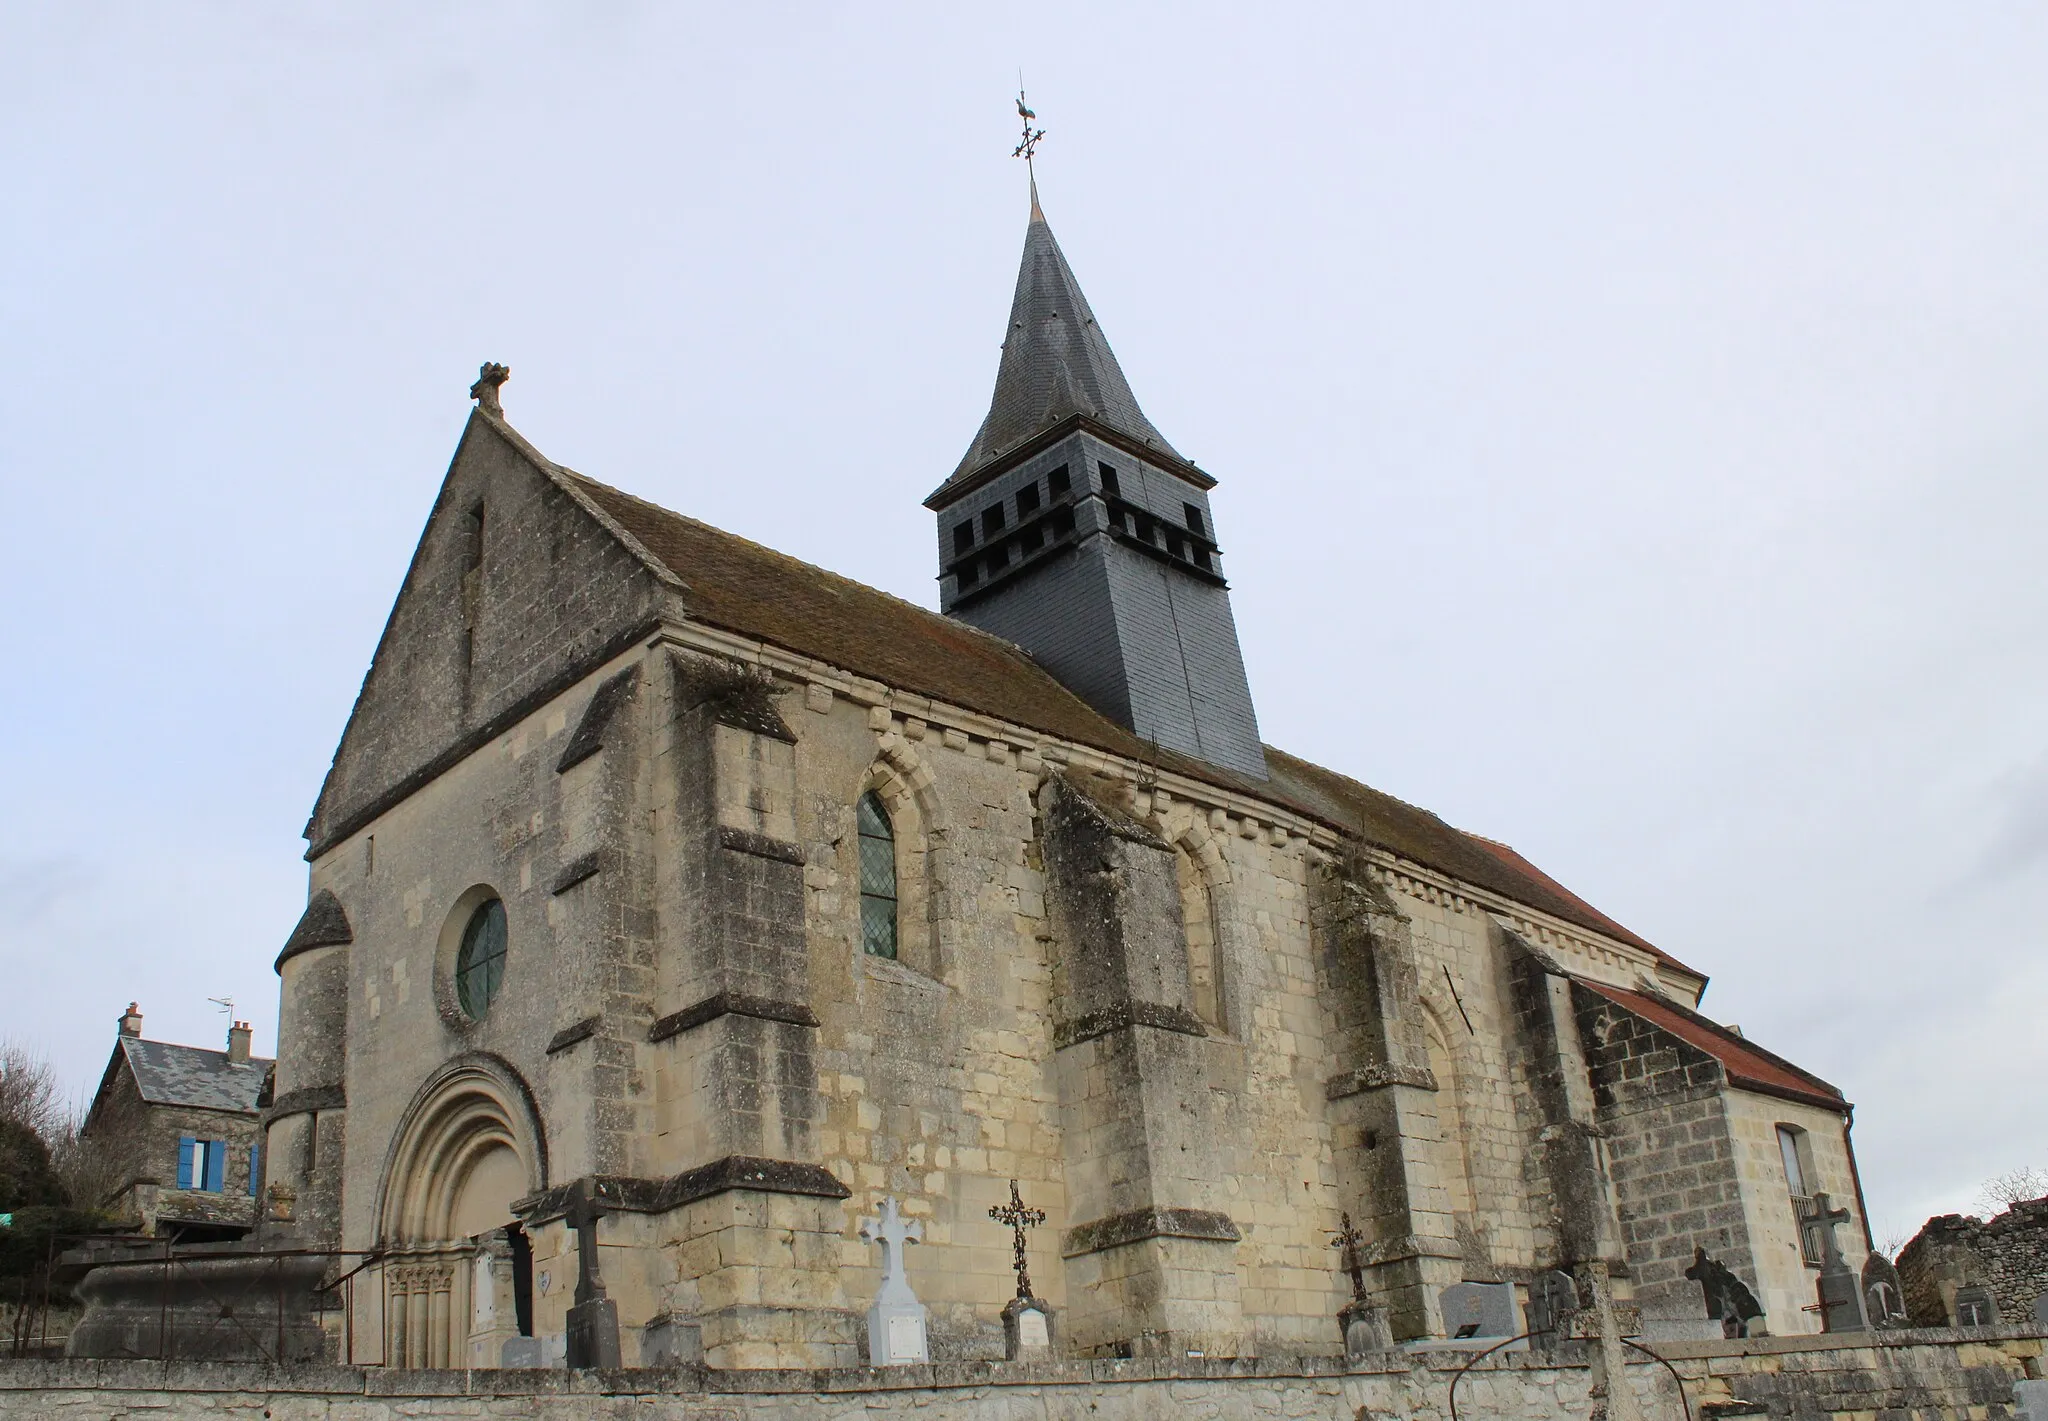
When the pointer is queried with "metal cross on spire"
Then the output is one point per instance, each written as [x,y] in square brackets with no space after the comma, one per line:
[1018,1218]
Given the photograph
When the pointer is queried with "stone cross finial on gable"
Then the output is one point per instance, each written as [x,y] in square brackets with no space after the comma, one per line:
[489,376]
[892,1231]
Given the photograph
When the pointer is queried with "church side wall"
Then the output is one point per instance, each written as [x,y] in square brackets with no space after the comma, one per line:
[1463,977]
[934,1069]
[1787,1285]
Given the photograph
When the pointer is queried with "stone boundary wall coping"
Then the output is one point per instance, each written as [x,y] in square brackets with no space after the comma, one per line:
[78,1374]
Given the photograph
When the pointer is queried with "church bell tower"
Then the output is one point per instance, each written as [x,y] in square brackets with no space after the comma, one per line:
[1073,529]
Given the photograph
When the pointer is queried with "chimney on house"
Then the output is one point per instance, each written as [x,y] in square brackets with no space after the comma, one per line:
[238,1044]
[131,1021]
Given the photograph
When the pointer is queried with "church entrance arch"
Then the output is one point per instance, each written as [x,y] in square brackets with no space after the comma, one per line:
[469,1145]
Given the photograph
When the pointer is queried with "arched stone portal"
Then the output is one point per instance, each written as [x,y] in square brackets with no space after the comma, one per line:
[470,1144]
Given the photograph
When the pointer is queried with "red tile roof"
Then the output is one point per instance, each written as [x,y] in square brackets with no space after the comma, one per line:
[1749,1066]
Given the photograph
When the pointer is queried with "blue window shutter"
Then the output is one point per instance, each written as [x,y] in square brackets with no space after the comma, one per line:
[186,1146]
[255,1161]
[216,1165]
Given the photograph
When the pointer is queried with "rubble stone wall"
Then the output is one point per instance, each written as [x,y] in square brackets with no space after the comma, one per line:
[1926,1375]
[2007,1256]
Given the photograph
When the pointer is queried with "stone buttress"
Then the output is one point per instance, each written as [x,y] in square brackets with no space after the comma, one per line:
[1151,1263]
[1382,1099]
[751,1220]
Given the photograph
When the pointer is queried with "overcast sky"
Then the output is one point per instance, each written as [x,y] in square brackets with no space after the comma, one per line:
[1630,423]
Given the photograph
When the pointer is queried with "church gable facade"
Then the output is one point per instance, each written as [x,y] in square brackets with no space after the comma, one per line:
[675,897]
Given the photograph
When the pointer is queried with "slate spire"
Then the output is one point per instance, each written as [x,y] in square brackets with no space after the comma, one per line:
[1073,529]
[1056,361]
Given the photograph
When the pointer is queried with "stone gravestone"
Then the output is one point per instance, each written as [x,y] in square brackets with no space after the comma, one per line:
[1884,1297]
[1841,1291]
[1553,1298]
[1974,1307]
[528,1352]
[593,1335]
[896,1322]
[670,1341]
[1478,1310]
[1729,1300]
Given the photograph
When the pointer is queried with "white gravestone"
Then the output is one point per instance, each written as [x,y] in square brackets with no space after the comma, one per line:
[896,1322]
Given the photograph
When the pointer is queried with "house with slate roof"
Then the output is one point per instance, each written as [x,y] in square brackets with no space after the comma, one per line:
[670,890]
[185,1126]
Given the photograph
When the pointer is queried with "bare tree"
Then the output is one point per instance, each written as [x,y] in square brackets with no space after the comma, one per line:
[90,1173]
[2018,1186]
[28,1091]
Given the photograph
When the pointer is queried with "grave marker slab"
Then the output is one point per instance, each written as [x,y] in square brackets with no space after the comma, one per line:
[1478,1310]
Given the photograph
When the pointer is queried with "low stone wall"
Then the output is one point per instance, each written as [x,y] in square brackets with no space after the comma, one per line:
[1899,1376]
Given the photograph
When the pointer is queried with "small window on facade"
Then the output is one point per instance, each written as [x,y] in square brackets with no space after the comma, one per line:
[1201,557]
[877,877]
[1794,1151]
[1144,528]
[998,558]
[992,521]
[1194,517]
[480,964]
[970,573]
[1109,481]
[1034,538]
[1795,1170]
[1175,546]
[1027,501]
[1062,522]
[1057,482]
[202,1164]
[963,537]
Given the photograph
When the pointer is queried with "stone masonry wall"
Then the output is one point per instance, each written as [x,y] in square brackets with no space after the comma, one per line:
[1922,1375]
[1671,1153]
[2008,1256]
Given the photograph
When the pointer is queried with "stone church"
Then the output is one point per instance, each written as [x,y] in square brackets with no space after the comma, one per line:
[659,872]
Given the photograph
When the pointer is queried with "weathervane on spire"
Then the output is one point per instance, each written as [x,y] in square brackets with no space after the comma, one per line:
[1029,146]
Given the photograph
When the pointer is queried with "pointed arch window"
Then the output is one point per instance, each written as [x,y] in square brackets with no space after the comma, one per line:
[877,877]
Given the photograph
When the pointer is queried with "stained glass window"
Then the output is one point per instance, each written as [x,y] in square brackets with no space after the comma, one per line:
[877,877]
[480,965]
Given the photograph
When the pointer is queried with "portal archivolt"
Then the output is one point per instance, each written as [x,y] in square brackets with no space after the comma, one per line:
[470,1144]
